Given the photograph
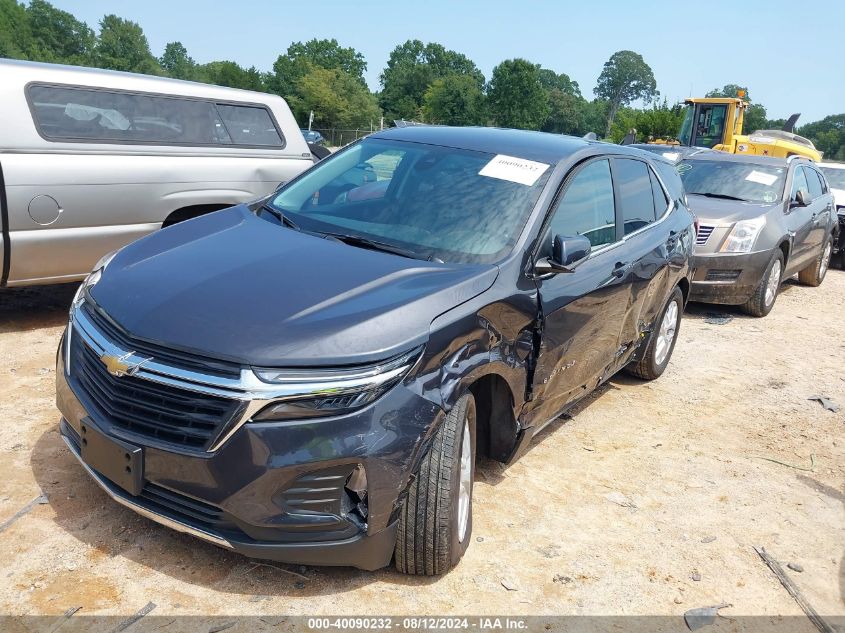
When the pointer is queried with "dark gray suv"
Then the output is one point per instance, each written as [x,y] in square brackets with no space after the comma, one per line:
[311,380]
[761,221]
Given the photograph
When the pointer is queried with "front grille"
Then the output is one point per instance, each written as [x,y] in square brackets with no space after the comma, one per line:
[722,275]
[703,235]
[169,356]
[147,409]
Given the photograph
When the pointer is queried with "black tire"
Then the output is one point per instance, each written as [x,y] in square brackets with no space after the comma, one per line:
[428,542]
[647,367]
[813,275]
[318,151]
[757,305]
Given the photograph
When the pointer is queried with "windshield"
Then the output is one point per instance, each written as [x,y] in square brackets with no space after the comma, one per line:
[686,127]
[433,201]
[835,176]
[748,182]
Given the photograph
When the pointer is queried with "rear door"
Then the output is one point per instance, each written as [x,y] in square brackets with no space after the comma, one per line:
[821,210]
[642,202]
[583,310]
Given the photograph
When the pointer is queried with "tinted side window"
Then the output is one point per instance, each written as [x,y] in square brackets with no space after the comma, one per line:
[813,182]
[586,208]
[671,178]
[660,201]
[71,113]
[799,183]
[635,193]
[249,125]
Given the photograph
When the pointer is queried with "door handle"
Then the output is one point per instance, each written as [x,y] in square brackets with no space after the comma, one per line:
[620,269]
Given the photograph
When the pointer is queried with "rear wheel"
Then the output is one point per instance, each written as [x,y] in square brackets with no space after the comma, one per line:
[661,344]
[435,523]
[813,275]
[763,299]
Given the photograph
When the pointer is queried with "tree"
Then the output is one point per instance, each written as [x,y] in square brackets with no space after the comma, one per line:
[289,68]
[412,68]
[60,37]
[122,45]
[625,78]
[16,41]
[337,99]
[659,121]
[567,113]
[230,74]
[177,63]
[828,135]
[454,100]
[515,95]
[550,80]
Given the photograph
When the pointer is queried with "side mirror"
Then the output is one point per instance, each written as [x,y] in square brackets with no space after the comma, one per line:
[802,199]
[568,250]
[565,252]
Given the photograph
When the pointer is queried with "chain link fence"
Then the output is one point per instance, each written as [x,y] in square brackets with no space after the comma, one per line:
[335,137]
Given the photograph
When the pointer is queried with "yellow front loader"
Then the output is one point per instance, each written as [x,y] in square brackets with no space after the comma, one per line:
[716,122]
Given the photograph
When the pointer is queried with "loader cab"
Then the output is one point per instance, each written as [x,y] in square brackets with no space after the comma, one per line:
[711,122]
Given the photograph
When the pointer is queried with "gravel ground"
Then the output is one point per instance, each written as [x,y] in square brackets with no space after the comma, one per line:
[648,500]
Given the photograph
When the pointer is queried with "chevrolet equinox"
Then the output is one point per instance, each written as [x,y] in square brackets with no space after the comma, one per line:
[311,378]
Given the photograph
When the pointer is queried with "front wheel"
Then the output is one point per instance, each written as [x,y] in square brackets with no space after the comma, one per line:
[813,275]
[661,343]
[435,523]
[763,299]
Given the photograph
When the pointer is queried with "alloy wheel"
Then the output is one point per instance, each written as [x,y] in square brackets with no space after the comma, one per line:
[666,333]
[465,486]
[773,282]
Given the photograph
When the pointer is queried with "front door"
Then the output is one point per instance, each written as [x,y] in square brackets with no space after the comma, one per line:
[799,223]
[583,311]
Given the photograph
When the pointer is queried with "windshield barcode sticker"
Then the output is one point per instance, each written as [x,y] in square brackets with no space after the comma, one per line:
[519,170]
[760,178]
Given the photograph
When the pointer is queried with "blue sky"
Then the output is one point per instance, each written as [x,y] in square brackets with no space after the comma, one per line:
[692,47]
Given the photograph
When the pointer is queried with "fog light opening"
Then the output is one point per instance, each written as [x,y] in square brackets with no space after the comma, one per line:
[355,505]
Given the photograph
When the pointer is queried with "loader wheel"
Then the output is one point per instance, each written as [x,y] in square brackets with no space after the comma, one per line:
[435,523]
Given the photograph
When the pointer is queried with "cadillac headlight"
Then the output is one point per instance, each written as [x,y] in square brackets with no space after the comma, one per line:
[329,392]
[743,235]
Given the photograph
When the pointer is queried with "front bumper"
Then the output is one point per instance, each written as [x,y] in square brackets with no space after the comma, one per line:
[727,278]
[275,490]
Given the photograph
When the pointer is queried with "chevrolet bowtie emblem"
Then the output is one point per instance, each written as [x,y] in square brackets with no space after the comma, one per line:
[125,365]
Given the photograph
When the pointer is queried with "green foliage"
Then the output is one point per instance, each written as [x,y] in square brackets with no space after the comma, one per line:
[122,45]
[658,121]
[625,78]
[412,68]
[16,41]
[516,97]
[289,68]
[828,135]
[177,63]
[454,100]
[550,80]
[60,36]
[730,91]
[231,75]
[337,98]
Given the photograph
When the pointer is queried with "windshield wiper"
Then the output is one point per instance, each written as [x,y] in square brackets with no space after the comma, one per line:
[282,217]
[375,245]
[723,196]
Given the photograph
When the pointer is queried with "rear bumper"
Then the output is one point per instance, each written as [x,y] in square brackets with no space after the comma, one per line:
[727,278]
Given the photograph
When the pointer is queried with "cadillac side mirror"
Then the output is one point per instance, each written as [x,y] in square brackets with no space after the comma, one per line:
[802,199]
[565,252]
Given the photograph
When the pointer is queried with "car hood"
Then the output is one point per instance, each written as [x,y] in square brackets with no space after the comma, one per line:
[719,212]
[233,286]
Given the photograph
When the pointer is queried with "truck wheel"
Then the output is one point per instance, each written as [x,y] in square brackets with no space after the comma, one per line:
[661,343]
[435,523]
[763,299]
[813,275]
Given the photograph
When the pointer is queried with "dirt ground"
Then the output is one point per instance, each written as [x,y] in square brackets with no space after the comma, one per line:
[648,500]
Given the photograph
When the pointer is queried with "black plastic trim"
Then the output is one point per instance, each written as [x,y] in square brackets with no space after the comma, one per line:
[4,225]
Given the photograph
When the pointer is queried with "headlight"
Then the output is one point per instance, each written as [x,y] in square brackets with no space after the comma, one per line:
[92,278]
[321,393]
[743,235]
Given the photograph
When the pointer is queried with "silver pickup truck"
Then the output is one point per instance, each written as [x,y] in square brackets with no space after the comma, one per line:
[93,159]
